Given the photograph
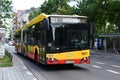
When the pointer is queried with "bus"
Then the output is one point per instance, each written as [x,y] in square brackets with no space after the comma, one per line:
[55,39]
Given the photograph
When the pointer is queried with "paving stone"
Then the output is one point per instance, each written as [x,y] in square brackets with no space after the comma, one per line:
[16,73]
[0,74]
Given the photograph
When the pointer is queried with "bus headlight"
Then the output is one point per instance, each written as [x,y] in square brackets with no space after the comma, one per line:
[85,58]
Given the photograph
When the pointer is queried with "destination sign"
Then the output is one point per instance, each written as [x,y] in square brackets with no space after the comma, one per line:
[67,20]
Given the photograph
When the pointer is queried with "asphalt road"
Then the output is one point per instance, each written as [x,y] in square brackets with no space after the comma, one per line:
[103,66]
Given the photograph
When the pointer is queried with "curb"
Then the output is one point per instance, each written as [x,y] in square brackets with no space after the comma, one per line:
[21,67]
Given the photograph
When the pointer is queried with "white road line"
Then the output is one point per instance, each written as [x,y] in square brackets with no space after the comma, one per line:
[34,79]
[118,58]
[115,66]
[95,66]
[28,72]
[112,71]
[108,57]
[24,67]
[100,63]
[96,55]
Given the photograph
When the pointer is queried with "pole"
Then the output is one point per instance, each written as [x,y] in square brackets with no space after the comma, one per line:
[105,44]
[118,49]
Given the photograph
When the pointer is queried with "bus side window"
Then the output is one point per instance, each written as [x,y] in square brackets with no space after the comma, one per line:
[28,41]
[31,42]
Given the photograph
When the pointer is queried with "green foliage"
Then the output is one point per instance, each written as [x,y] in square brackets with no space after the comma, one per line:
[102,13]
[5,61]
[56,7]
[34,13]
[53,7]
[5,11]
[5,8]
[1,24]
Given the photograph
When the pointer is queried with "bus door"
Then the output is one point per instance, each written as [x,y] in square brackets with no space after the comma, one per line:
[42,44]
[30,48]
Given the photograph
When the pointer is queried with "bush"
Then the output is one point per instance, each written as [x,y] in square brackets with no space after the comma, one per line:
[6,61]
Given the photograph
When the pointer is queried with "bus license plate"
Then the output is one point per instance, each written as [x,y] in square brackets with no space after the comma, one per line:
[69,62]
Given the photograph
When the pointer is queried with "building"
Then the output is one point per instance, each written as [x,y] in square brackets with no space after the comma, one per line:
[20,18]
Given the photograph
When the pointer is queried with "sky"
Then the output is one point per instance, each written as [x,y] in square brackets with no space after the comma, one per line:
[26,4]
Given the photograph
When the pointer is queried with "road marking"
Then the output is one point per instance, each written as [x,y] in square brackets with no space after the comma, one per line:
[108,57]
[95,66]
[112,71]
[28,72]
[96,55]
[100,63]
[116,66]
[34,79]
[24,67]
[118,58]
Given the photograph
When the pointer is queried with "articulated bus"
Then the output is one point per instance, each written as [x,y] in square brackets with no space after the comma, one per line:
[55,39]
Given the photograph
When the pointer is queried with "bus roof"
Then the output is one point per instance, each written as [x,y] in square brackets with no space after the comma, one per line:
[18,30]
[42,16]
[67,16]
[36,20]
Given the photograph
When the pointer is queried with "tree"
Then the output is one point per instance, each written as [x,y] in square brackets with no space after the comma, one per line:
[102,13]
[5,10]
[114,12]
[56,7]
[35,13]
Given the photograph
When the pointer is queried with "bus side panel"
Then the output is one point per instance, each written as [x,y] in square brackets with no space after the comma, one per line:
[37,54]
[74,57]
[19,48]
[31,52]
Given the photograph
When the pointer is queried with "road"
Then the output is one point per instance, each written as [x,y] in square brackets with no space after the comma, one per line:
[103,66]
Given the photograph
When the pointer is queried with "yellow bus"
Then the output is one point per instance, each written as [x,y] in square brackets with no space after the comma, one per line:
[55,39]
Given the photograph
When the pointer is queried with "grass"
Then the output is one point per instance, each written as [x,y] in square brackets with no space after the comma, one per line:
[6,61]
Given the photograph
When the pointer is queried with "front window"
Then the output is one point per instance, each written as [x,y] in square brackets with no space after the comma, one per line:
[63,37]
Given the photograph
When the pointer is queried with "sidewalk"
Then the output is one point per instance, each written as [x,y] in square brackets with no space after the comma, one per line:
[17,72]
[103,52]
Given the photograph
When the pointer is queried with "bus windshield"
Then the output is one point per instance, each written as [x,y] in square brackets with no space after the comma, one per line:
[66,37]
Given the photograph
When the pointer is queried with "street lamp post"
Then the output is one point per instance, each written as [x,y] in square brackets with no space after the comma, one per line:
[119,41]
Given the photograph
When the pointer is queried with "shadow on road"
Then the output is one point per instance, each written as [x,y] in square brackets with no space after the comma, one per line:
[62,67]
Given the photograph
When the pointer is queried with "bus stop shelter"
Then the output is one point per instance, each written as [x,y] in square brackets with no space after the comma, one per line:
[110,35]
